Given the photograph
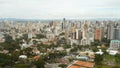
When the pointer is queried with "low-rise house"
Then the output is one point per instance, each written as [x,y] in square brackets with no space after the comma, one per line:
[37,52]
[2,39]
[99,52]
[59,48]
[23,57]
[4,51]
[112,52]
[82,57]
[35,58]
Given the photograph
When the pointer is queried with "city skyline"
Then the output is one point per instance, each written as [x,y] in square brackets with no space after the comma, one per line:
[45,9]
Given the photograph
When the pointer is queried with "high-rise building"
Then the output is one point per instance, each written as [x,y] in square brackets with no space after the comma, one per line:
[114,44]
[113,32]
[116,33]
[64,24]
[30,35]
[85,35]
[67,33]
[73,32]
[110,31]
[98,34]
[78,34]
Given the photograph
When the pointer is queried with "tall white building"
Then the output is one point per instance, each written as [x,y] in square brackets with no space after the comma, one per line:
[87,35]
[30,35]
[78,34]
[114,45]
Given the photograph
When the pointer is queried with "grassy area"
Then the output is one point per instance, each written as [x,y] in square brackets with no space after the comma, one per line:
[108,57]
[102,66]
[108,62]
[107,66]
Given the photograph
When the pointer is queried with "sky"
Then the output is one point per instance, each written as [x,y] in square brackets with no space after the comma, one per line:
[53,9]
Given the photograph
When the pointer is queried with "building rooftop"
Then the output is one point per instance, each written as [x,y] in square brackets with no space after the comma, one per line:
[115,40]
[85,64]
[81,64]
[74,66]
[36,57]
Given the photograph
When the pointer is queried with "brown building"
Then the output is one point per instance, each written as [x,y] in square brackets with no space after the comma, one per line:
[98,34]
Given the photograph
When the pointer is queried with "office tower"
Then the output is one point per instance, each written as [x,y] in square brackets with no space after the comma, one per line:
[85,39]
[98,34]
[78,34]
[110,31]
[115,38]
[30,35]
[64,24]
[67,33]
[51,23]
[113,32]
[116,33]
[73,32]
[91,34]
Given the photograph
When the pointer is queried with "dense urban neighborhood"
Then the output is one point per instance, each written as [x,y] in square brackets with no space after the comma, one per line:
[60,43]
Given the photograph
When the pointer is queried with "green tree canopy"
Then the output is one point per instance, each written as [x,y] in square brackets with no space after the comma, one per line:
[98,59]
[5,60]
[39,63]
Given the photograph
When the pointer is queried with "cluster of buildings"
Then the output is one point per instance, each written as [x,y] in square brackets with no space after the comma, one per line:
[114,36]
[72,32]
[84,32]
[80,32]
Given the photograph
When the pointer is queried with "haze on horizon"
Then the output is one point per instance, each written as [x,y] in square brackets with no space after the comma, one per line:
[49,9]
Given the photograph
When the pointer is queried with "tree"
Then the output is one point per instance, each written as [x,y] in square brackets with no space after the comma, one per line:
[35,42]
[15,56]
[27,51]
[106,41]
[63,65]
[98,59]
[8,38]
[94,49]
[66,46]
[39,36]
[80,47]
[62,34]
[95,43]
[39,63]
[10,44]
[5,60]
[117,58]
[25,36]
[21,66]
[73,49]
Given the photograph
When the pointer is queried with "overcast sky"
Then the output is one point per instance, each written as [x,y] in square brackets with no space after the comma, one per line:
[49,9]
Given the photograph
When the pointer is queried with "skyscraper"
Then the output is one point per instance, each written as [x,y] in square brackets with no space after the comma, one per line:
[110,31]
[85,35]
[116,33]
[113,32]
[63,24]
[78,34]
[98,34]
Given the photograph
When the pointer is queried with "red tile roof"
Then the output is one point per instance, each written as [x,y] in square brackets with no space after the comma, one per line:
[85,64]
[73,66]
[36,57]
[82,64]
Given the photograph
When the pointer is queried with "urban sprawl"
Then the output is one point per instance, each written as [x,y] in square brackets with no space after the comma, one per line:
[60,43]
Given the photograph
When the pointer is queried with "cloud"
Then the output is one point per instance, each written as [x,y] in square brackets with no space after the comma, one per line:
[59,8]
